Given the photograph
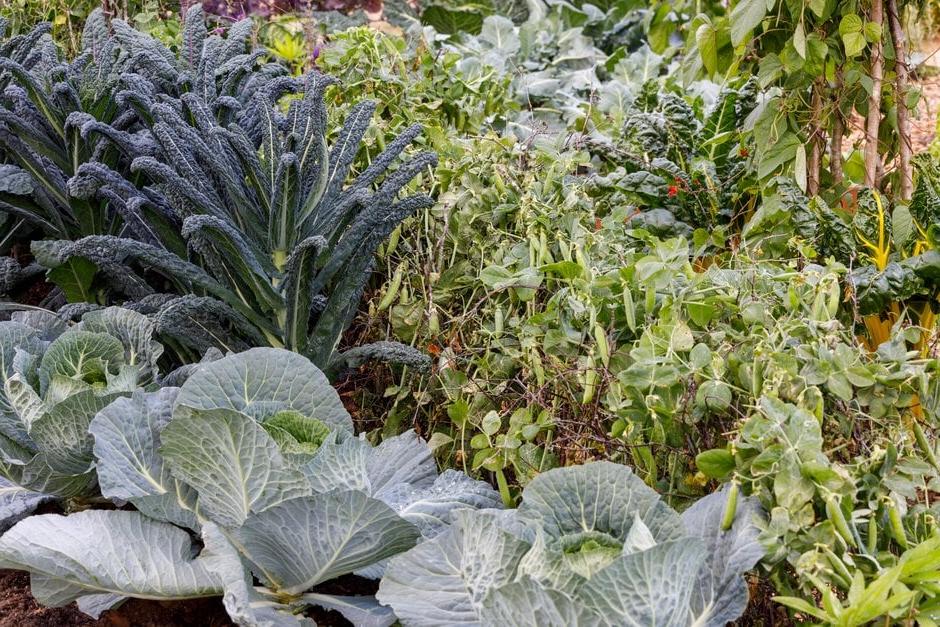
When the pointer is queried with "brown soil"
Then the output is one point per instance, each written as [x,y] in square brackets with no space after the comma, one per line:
[19,609]
[38,288]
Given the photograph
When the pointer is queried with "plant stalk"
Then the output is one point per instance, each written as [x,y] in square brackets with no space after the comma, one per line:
[905,170]
[836,135]
[814,162]
[872,156]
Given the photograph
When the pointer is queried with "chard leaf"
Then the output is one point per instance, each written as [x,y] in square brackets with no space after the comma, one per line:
[297,544]
[231,462]
[99,552]
[263,381]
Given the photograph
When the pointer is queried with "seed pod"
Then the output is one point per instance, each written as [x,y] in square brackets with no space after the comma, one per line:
[498,183]
[603,349]
[393,240]
[921,438]
[835,295]
[590,381]
[629,307]
[731,507]
[393,287]
[837,518]
[872,539]
[434,322]
[837,564]
[498,321]
[535,361]
[895,524]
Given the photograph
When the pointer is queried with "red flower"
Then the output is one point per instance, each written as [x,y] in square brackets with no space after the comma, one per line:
[744,152]
[673,190]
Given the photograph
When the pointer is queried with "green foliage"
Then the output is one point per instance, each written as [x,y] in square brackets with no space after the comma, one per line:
[579,533]
[275,203]
[55,380]
[220,456]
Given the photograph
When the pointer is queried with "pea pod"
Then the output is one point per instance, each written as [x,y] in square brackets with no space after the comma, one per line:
[629,307]
[603,348]
[434,322]
[837,518]
[535,361]
[393,240]
[895,524]
[731,507]
[393,287]
[872,540]
[835,296]
[837,564]
[590,381]
[921,438]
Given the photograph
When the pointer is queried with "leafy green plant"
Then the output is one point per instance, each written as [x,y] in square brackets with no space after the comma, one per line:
[255,453]
[580,534]
[286,248]
[56,116]
[55,379]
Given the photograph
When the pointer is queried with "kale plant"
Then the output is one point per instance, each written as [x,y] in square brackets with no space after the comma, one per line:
[57,116]
[590,545]
[283,248]
[254,453]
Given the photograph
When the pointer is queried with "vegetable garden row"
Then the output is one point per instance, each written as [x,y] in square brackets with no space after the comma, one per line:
[562,313]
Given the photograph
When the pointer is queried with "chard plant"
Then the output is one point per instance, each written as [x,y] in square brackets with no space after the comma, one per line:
[255,455]
[589,545]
